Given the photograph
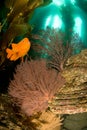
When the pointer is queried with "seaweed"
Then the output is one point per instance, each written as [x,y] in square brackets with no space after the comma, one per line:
[14,21]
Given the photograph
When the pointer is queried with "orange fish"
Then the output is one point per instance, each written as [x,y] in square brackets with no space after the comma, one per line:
[18,50]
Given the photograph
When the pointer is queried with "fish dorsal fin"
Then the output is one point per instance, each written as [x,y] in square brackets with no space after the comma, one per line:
[23,42]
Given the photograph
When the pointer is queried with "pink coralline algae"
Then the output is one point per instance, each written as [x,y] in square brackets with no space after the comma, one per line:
[34,85]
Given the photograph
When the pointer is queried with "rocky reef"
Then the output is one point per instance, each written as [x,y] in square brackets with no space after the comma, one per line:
[72,97]
[12,119]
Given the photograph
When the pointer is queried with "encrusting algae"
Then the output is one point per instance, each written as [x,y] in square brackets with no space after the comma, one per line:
[18,50]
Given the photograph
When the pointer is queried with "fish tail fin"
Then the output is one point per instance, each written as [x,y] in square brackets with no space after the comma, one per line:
[9,53]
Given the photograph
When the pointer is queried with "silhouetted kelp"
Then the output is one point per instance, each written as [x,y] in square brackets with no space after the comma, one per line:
[15,21]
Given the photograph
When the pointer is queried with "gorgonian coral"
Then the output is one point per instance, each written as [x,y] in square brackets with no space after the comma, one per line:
[34,85]
[51,44]
[48,121]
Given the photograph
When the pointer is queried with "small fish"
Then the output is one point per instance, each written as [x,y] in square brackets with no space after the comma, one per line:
[18,50]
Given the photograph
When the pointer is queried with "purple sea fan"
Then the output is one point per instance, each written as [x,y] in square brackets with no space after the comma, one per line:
[51,44]
[34,85]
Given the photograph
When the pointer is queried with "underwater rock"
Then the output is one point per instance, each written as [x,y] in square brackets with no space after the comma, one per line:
[11,118]
[78,60]
[72,97]
[75,122]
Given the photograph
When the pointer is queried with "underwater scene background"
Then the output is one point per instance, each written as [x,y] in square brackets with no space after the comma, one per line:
[43,65]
